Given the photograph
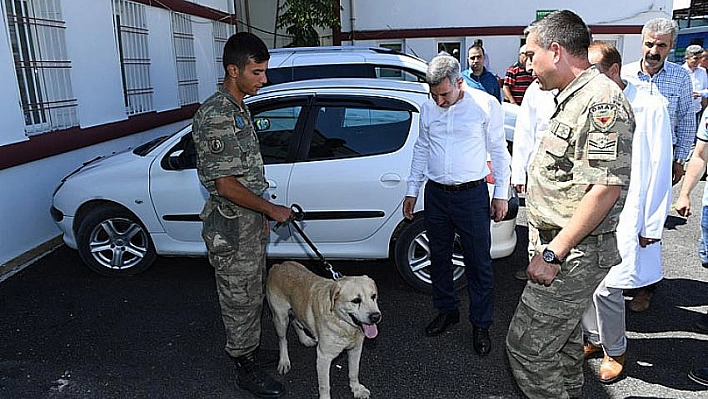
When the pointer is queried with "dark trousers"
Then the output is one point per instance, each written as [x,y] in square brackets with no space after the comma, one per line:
[466,213]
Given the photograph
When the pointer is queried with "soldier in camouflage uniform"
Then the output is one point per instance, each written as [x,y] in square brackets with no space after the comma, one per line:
[235,215]
[577,183]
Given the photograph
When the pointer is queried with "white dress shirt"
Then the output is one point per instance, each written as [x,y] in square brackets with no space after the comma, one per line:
[453,143]
[531,122]
[699,79]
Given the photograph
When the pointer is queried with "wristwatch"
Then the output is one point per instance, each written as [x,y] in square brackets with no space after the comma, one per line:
[551,257]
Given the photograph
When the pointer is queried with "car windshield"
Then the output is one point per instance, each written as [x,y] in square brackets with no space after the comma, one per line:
[145,148]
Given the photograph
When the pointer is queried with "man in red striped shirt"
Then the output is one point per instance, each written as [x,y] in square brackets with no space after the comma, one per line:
[517,79]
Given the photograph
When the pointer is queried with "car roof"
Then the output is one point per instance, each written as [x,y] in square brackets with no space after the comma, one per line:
[302,56]
[349,83]
[284,51]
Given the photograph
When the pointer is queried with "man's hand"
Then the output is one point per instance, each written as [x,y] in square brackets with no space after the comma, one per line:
[280,213]
[520,188]
[408,207]
[541,272]
[643,241]
[683,206]
[499,209]
[677,172]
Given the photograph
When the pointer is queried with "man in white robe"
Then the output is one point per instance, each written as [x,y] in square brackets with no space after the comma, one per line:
[641,222]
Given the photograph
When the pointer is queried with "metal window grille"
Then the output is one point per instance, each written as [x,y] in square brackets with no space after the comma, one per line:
[222,32]
[184,57]
[132,35]
[42,66]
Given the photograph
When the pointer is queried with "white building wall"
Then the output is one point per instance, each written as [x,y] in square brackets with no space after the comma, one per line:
[375,15]
[26,190]
[95,64]
[163,67]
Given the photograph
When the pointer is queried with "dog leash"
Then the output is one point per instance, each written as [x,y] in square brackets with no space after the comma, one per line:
[298,215]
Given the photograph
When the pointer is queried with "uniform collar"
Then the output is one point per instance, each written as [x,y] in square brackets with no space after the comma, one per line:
[229,96]
[578,83]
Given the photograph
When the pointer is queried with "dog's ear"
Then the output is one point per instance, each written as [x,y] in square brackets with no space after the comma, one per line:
[334,294]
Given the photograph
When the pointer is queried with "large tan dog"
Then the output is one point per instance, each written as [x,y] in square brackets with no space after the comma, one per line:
[334,315]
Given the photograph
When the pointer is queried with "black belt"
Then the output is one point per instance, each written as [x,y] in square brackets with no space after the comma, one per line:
[457,187]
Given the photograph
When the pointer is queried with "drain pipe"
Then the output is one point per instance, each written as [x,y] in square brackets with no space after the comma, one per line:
[352,20]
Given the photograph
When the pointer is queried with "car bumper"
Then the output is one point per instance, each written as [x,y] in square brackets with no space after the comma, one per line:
[65,224]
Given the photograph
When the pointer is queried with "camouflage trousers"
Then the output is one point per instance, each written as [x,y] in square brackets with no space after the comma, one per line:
[236,248]
[544,341]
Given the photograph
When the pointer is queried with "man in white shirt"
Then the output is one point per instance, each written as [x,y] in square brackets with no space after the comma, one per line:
[641,222]
[458,127]
[699,78]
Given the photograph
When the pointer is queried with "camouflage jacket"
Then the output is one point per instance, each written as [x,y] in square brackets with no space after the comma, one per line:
[588,141]
[226,145]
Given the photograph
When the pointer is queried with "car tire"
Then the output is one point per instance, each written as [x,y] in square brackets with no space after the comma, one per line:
[112,242]
[412,258]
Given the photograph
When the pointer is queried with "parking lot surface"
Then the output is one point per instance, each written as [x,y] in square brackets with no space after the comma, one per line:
[67,332]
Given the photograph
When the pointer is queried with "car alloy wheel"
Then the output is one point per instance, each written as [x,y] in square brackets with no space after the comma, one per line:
[412,257]
[112,242]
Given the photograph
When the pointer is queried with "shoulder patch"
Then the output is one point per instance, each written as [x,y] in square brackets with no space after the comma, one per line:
[216,146]
[603,116]
[240,123]
[602,146]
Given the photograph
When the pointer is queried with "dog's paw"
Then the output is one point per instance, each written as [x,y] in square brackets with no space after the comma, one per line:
[283,367]
[360,392]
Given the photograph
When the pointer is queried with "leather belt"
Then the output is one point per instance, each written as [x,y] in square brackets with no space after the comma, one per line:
[457,187]
[546,236]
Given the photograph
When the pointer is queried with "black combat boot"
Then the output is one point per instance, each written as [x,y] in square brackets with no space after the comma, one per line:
[250,377]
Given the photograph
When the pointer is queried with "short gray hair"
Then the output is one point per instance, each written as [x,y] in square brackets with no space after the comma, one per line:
[661,26]
[441,67]
[693,50]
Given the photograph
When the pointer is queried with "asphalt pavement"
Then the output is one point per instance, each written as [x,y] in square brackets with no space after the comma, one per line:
[67,332]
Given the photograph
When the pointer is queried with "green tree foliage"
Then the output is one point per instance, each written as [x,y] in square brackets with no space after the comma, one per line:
[301,18]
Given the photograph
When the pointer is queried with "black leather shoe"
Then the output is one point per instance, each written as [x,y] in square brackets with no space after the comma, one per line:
[250,377]
[480,340]
[441,322]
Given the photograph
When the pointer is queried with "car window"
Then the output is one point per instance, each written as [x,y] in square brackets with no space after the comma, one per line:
[393,73]
[351,131]
[276,130]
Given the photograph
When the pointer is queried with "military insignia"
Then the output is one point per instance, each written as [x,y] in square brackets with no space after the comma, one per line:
[603,116]
[240,123]
[602,146]
[216,146]
[560,130]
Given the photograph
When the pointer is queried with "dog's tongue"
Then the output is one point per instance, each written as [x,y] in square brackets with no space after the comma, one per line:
[370,330]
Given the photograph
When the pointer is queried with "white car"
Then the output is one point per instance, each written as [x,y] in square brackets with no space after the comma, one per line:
[340,148]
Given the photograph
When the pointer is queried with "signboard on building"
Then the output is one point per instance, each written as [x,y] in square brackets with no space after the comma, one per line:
[542,13]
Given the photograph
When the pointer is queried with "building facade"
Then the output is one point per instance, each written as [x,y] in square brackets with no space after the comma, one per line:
[84,78]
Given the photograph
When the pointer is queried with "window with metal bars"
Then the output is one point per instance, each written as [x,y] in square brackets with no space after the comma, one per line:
[132,36]
[183,40]
[42,66]
[222,32]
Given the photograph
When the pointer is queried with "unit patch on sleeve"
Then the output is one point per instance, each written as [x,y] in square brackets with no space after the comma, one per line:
[216,146]
[602,146]
[603,116]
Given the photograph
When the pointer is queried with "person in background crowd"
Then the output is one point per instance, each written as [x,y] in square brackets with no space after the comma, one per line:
[659,77]
[477,74]
[230,167]
[459,126]
[703,61]
[577,183]
[699,77]
[517,79]
[641,222]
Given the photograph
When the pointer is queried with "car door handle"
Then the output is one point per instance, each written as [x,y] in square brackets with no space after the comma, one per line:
[390,179]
